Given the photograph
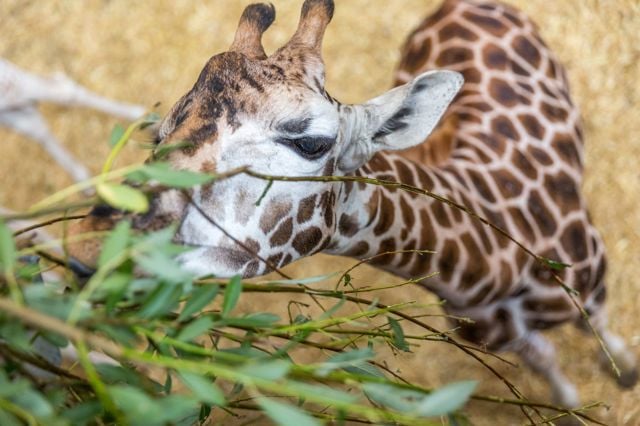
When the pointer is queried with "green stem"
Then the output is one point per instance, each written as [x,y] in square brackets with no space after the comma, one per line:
[120,145]
[18,412]
[96,383]
[80,186]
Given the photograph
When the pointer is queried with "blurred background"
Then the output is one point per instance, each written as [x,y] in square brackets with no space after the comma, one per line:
[152,52]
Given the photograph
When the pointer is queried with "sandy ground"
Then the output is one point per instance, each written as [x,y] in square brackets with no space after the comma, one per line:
[148,52]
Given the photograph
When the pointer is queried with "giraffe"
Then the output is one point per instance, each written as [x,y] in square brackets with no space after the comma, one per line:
[509,148]
[21,91]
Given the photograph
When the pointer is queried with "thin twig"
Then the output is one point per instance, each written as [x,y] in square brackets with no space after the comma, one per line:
[47,223]
[37,361]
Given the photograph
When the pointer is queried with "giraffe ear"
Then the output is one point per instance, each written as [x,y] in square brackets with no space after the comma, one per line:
[399,119]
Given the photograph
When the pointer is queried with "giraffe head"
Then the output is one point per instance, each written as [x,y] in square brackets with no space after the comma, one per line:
[273,115]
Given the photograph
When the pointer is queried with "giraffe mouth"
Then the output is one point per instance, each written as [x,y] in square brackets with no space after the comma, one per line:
[79,269]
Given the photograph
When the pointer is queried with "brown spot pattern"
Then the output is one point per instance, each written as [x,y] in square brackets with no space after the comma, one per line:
[527,51]
[507,184]
[306,208]
[564,191]
[386,216]
[477,267]
[282,234]
[448,259]
[554,114]
[455,30]
[540,155]
[541,214]
[489,24]
[305,241]
[523,164]
[532,125]
[359,249]
[501,125]
[274,211]
[494,57]
[574,241]
[502,92]
[454,55]
[347,225]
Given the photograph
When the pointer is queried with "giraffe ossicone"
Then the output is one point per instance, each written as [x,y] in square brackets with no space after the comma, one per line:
[510,149]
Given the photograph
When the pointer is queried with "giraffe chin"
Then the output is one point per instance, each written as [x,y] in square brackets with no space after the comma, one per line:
[222,262]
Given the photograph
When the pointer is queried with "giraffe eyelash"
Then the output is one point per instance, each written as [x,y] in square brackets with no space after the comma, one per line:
[309,147]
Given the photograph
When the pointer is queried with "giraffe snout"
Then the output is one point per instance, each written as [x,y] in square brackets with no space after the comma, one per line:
[79,269]
[84,239]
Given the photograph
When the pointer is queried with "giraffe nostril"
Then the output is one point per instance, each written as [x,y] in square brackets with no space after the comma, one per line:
[104,210]
[80,269]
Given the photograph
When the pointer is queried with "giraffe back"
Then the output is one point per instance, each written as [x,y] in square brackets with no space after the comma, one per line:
[515,105]
[510,147]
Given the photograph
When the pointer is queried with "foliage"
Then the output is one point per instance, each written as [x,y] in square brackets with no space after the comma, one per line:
[182,349]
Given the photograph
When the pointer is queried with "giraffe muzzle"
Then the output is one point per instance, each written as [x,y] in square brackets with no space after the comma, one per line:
[79,269]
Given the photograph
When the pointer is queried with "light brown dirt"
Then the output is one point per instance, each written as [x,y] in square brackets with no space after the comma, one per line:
[147,52]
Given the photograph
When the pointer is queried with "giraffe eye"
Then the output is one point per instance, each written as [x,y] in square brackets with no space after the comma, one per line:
[310,148]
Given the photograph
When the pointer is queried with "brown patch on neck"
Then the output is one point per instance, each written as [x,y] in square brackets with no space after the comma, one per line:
[273,213]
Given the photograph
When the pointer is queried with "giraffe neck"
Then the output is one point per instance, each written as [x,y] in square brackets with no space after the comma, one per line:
[474,265]
[374,220]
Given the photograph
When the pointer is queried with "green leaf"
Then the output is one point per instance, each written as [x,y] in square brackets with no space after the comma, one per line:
[8,419]
[48,301]
[120,334]
[115,243]
[203,388]
[231,295]
[553,264]
[346,359]
[7,247]
[150,119]
[200,298]
[157,238]
[142,410]
[33,402]
[164,174]
[176,409]
[324,394]
[54,338]
[269,370]
[158,264]
[134,403]
[163,150]
[258,320]
[161,301]
[365,369]
[113,288]
[387,395]
[195,328]
[447,399]
[398,335]
[309,280]
[118,374]
[332,310]
[286,414]
[116,134]
[83,413]
[14,333]
[123,197]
